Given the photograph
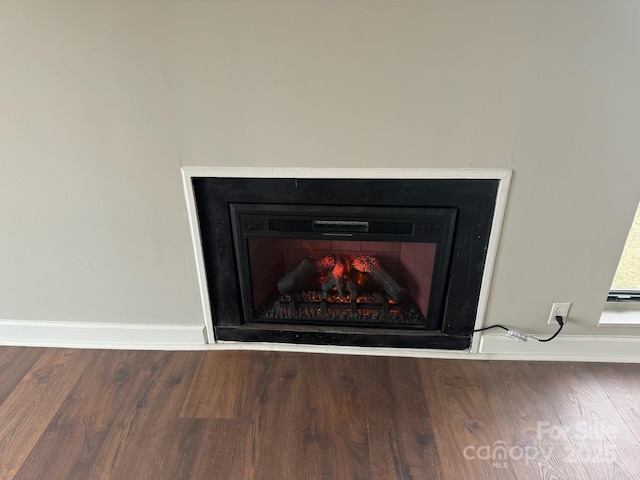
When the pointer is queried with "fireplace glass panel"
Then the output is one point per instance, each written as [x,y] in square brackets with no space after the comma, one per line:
[342,266]
[341,281]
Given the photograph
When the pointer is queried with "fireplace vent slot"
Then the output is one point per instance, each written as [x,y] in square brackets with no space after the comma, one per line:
[290,226]
[346,226]
[391,228]
[335,226]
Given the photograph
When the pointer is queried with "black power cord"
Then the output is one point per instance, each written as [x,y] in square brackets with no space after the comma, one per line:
[561,323]
[524,336]
[489,327]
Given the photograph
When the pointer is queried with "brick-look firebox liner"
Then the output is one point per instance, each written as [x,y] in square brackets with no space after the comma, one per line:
[411,264]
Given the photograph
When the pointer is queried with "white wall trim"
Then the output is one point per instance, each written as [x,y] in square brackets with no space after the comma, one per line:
[574,350]
[143,336]
[620,314]
[192,337]
[503,175]
[317,172]
[492,252]
[582,348]
[194,228]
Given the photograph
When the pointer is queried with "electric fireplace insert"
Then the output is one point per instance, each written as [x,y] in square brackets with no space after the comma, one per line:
[345,261]
[342,265]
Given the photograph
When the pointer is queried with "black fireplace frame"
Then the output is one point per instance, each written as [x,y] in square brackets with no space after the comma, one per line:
[346,223]
[475,202]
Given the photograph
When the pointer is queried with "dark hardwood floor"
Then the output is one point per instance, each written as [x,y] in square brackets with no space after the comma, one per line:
[103,414]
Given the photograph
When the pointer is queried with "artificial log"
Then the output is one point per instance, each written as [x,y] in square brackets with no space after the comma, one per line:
[303,276]
[389,285]
[340,279]
[325,263]
[370,265]
[300,278]
[353,288]
[337,278]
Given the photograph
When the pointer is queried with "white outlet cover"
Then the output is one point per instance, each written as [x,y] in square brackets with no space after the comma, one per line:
[559,309]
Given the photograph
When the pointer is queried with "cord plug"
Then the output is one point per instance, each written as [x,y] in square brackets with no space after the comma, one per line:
[516,335]
[560,320]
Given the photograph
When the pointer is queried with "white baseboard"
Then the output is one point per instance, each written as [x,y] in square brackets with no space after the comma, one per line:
[579,348]
[494,347]
[101,335]
[576,348]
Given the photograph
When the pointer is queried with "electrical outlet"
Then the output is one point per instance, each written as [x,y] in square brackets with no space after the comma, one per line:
[561,309]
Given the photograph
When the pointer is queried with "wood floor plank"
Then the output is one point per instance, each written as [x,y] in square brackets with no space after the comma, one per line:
[525,420]
[141,442]
[621,383]
[27,411]
[466,422]
[401,440]
[212,448]
[276,402]
[220,385]
[603,441]
[84,419]
[15,362]
[335,435]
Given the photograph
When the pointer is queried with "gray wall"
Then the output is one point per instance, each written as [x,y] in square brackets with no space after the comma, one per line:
[102,102]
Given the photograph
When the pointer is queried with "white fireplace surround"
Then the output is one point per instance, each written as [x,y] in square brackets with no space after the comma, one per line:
[502,175]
